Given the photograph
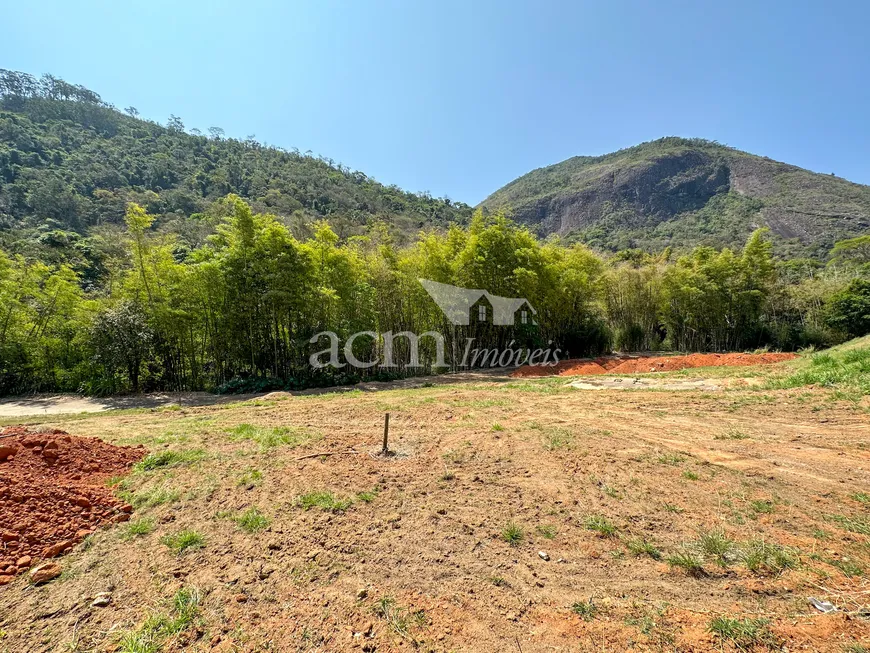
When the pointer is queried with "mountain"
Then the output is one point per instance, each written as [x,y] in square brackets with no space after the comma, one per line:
[69,163]
[684,192]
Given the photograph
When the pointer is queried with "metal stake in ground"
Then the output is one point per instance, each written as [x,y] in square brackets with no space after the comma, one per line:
[386,449]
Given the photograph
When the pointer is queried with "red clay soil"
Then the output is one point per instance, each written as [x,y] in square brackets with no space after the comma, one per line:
[53,493]
[644,364]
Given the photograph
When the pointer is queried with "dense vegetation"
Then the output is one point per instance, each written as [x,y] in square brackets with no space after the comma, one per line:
[680,193]
[138,257]
[247,302]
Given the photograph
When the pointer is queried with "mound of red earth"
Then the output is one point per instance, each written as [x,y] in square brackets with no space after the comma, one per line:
[643,364]
[53,493]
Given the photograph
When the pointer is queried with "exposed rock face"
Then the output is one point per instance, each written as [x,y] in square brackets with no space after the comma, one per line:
[657,191]
[681,193]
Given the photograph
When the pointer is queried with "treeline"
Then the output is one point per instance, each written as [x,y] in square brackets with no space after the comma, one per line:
[239,311]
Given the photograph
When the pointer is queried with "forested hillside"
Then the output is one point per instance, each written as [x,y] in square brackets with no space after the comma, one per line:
[69,163]
[679,193]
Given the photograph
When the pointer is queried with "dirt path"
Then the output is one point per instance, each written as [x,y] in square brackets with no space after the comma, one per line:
[73,404]
[70,404]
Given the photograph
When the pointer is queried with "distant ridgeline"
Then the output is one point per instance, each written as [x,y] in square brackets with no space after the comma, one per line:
[69,163]
[140,257]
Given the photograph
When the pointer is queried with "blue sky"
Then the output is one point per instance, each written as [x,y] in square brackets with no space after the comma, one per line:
[460,97]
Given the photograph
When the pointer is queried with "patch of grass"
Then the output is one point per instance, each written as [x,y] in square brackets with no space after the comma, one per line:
[731,434]
[638,547]
[185,606]
[672,508]
[456,456]
[168,458]
[252,520]
[271,437]
[762,506]
[586,609]
[151,497]
[150,637]
[852,524]
[855,647]
[761,557]
[512,534]
[555,438]
[612,492]
[498,581]
[688,560]
[326,501]
[601,525]
[367,496]
[138,528]
[497,427]
[400,620]
[844,368]
[671,459]
[250,478]
[849,567]
[690,475]
[546,531]
[448,476]
[183,541]
[715,544]
[745,634]
[645,624]
[544,387]
[861,497]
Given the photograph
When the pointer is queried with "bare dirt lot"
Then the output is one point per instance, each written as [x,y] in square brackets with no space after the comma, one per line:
[515,516]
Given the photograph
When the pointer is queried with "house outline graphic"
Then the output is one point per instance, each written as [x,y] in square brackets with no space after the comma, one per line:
[456,304]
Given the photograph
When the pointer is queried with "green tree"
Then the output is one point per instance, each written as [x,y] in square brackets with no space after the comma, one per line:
[849,309]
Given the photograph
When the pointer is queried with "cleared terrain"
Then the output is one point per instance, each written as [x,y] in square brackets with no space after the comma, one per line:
[521,515]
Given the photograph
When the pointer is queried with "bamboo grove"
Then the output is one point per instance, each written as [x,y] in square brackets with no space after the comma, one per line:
[240,310]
